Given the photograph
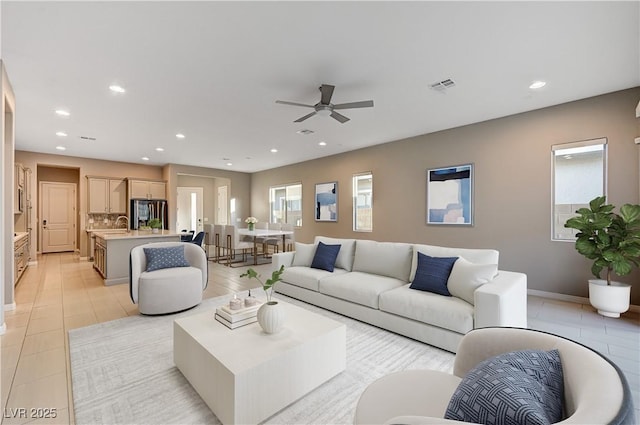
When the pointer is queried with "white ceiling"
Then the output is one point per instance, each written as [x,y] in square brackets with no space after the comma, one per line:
[213,70]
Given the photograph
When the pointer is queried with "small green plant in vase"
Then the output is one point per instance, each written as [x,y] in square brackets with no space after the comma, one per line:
[268,284]
[270,314]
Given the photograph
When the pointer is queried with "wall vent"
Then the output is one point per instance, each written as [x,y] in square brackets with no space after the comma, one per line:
[443,85]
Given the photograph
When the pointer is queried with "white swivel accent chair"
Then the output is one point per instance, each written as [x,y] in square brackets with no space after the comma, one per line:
[167,290]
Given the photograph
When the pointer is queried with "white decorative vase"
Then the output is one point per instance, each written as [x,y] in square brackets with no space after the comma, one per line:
[271,317]
[155,230]
[609,300]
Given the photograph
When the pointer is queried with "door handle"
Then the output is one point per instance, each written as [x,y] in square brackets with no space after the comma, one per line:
[44,223]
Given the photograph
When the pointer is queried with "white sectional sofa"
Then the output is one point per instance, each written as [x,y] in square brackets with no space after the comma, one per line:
[371,282]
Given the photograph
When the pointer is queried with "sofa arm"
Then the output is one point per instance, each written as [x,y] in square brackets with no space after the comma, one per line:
[502,302]
[282,259]
[419,420]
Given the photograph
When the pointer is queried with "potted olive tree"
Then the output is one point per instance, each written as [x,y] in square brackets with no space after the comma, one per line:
[612,241]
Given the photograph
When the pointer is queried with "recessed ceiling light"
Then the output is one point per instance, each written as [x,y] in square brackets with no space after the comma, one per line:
[537,84]
[323,143]
[62,112]
[61,134]
[229,164]
[274,150]
[145,158]
[116,88]
[160,149]
[180,136]
[61,148]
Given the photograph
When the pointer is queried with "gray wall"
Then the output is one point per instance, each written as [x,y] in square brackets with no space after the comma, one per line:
[512,205]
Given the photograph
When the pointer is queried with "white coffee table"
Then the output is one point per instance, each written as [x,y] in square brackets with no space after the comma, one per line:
[245,375]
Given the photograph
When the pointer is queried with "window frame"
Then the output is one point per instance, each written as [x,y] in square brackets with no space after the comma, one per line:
[572,145]
[286,187]
[355,192]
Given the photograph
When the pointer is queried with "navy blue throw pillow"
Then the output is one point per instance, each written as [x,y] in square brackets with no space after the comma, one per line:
[521,387]
[165,258]
[433,273]
[325,257]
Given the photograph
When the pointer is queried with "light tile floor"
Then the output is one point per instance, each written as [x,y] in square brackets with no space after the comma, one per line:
[63,293]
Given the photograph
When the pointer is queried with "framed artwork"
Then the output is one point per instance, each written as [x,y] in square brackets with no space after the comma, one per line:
[326,201]
[450,195]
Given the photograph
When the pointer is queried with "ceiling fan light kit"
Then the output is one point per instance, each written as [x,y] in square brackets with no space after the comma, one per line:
[326,108]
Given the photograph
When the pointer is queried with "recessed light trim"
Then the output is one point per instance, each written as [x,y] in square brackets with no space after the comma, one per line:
[116,88]
[274,150]
[537,85]
[159,149]
[145,158]
[322,143]
[180,136]
[229,164]
[61,148]
[305,132]
[63,112]
[61,134]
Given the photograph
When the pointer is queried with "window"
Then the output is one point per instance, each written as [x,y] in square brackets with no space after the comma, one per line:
[362,198]
[579,175]
[286,204]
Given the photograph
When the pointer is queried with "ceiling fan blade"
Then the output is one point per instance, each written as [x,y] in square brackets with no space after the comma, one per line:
[305,117]
[351,105]
[327,92]
[339,117]
[284,102]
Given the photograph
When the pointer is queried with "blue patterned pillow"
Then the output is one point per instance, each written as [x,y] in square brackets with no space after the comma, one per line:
[325,257]
[433,273]
[165,258]
[521,387]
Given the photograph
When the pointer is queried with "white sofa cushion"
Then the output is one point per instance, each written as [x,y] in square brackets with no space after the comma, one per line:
[477,256]
[303,255]
[306,277]
[446,312]
[466,277]
[357,287]
[383,258]
[347,248]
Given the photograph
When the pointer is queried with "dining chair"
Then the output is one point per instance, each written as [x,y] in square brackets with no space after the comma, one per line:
[273,241]
[233,244]
[290,240]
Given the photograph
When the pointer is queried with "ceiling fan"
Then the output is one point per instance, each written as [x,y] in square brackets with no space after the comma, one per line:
[326,108]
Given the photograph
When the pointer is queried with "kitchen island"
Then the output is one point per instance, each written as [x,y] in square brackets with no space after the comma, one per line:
[111,256]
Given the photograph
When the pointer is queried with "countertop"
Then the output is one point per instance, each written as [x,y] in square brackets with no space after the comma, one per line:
[19,235]
[109,235]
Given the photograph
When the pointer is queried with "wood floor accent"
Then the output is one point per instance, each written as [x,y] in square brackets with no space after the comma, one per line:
[61,293]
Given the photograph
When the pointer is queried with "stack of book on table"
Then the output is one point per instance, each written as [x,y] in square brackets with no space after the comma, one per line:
[236,318]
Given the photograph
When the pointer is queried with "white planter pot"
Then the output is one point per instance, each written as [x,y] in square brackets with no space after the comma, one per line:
[271,317]
[609,300]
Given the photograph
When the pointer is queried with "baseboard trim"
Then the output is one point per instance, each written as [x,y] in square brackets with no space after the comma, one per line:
[3,329]
[10,307]
[33,263]
[570,298]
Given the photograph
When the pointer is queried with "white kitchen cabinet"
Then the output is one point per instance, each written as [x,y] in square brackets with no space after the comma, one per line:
[147,189]
[107,196]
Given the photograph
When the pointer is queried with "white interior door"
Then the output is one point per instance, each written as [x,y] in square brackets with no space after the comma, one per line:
[57,216]
[190,209]
[222,205]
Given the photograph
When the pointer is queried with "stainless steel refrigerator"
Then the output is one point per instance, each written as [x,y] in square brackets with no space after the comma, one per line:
[143,210]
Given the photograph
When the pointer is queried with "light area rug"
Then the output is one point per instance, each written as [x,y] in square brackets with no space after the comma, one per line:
[123,372]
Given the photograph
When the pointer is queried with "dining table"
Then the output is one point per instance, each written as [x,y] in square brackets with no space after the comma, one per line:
[264,233]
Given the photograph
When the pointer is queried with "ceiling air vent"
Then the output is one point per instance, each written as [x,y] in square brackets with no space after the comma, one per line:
[443,85]
[87,138]
[305,132]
